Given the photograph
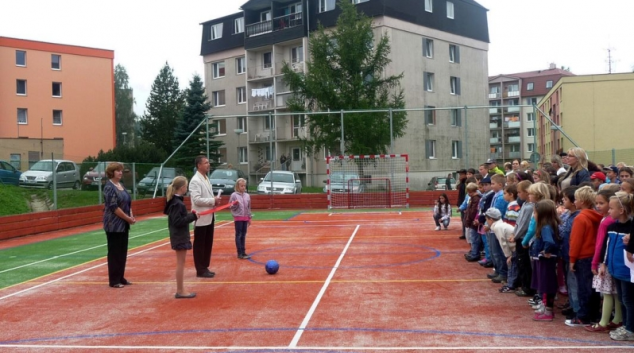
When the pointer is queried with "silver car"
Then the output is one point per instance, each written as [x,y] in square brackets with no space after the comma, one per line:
[40,175]
[344,182]
[280,182]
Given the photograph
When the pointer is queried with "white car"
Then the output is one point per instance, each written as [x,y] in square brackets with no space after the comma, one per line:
[344,182]
[280,182]
[40,175]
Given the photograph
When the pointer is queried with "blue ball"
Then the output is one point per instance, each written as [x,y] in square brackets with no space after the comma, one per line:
[271,267]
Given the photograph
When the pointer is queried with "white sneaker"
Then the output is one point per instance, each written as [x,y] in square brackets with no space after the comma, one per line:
[437,228]
[624,335]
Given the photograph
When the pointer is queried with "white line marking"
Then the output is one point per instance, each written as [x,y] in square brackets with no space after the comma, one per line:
[300,331]
[339,349]
[74,252]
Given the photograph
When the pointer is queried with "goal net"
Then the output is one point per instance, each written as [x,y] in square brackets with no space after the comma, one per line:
[368,181]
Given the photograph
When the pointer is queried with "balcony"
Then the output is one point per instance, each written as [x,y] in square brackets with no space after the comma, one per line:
[281,99]
[260,104]
[297,67]
[494,140]
[494,110]
[277,24]
[513,109]
[260,136]
[259,72]
[494,95]
[511,94]
[493,125]
[514,139]
[512,125]
[513,155]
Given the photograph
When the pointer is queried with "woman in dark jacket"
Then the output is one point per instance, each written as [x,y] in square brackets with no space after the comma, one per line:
[178,220]
[578,172]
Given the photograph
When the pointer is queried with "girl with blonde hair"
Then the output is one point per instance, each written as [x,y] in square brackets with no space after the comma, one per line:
[241,212]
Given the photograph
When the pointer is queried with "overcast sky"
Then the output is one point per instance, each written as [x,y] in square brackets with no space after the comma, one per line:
[525,35]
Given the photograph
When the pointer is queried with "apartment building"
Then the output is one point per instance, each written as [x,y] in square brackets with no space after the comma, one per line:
[594,111]
[511,113]
[54,98]
[440,47]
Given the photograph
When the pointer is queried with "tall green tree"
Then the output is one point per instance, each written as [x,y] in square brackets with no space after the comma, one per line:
[196,106]
[163,107]
[347,71]
[123,106]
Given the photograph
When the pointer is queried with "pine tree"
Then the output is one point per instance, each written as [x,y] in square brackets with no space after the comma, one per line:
[196,106]
[347,71]
[124,103]
[164,105]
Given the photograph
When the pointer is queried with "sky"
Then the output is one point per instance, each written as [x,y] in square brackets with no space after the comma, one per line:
[525,35]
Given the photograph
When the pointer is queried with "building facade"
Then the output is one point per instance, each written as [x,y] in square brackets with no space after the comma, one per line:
[55,92]
[440,47]
[511,112]
[594,111]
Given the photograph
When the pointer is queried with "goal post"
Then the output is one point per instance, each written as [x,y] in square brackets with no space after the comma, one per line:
[368,181]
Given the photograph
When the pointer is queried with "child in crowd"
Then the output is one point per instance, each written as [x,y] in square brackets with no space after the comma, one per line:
[536,193]
[497,255]
[503,232]
[442,211]
[464,205]
[604,284]
[470,217]
[511,179]
[627,185]
[544,251]
[513,208]
[485,203]
[241,211]
[582,243]
[616,263]
[568,196]
[521,258]
[178,220]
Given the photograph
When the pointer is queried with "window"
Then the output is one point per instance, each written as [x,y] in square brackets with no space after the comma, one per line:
[530,147]
[242,155]
[56,62]
[265,16]
[218,98]
[299,122]
[267,152]
[513,88]
[22,116]
[454,53]
[549,84]
[266,60]
[529,86]
[221,126]
[16,160]
[242,95]
[428,47]
[241,66]
[297,54]
[219,69]
[456,149]
[449,9]
[454,83]
[242,123]
[326,5]
[216,31]
[57,89]
[20,87]
[57,117]
[428,81]
[531,101]
[530,116]
[429,5]
[359,1]
[430,149]
[238,25]
[222,158]
[430,115]
[456,118]
[494,89]
[20,58]
[268,122]
[531,132]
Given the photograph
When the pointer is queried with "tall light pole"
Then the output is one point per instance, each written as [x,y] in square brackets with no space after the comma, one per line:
[124,134]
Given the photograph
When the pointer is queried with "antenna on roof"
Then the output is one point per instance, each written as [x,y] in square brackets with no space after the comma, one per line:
[610,59]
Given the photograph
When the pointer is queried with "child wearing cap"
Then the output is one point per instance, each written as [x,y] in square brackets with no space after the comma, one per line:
[503,232]
[597,179]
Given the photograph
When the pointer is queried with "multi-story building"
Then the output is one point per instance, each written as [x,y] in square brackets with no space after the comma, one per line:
[511,113]
[594,111]
[51,93]
[440,47]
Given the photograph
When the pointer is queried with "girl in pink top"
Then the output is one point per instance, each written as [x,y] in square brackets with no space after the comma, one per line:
[603,283]
[241,212]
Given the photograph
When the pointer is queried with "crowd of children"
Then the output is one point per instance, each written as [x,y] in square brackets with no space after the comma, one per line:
[563,229]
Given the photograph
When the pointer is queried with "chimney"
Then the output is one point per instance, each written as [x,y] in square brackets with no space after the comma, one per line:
[552,66]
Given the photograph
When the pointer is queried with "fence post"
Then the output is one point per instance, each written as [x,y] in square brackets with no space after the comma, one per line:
[54,167]
[466,139]
[391,134]
[134,181]
[342,143]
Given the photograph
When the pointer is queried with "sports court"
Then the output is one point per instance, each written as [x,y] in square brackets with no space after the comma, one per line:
[371,281]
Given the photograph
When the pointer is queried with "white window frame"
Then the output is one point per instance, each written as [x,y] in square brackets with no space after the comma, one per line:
[359,1]
[217,67]
[455,149]
[25,87]
[61,117]
[530,116]
[326,5]
[549,84]
[241,93]
[265,16]
[428,81]
[264,63]
[530,86]
[16,58]
[429,115]
[428,48]
[216,95]
[454,53]
[450,10]
[454,85]
[429,5]
[241,63]
[59,62]
[215,31]
[530,132]
[530,147]
[432,154]
[238,25]
[53,90]
[242,123]
[455,117]
[243,155]
[26,116]
[297,54]
[219,124]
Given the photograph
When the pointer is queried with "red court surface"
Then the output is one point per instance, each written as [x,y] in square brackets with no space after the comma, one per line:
[348,282]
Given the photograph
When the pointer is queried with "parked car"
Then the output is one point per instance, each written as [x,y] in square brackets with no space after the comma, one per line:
[148,183]
[440,183]
[8,174]
[225,180]
[40,175]
[282,183]
[341,182]
[98,174]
